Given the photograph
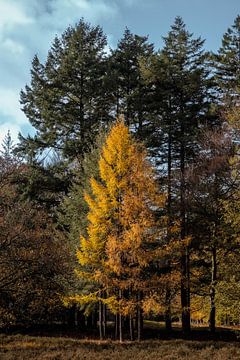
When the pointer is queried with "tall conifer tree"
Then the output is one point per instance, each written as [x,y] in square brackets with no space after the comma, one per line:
[66,99]
[123,239]
[130,92]
[179,78]
[227,62]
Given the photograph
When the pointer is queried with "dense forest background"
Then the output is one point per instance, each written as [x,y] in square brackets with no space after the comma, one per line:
[125,204]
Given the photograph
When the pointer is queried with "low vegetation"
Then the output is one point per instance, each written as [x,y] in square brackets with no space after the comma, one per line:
[46,348]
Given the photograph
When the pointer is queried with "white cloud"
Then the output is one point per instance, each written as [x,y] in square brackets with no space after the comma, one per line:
[131,2]
[10,107]
[12,14]
[13,46]
[95,9]
[61,13]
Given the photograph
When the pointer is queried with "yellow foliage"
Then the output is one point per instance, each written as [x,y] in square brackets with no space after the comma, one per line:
[123,234]
[152,304]
[200,307]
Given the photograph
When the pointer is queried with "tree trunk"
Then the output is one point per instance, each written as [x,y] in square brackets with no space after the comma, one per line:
[127,113]
[168,322]
[117,109]
[131,332]
[169,176]
[130,318]
[212,317]
[185,292]
[139,317]
[168,317]
[100,321]
[185,271]
[120,321]
[116,326]
[95,317]
[120,328]
[104,320]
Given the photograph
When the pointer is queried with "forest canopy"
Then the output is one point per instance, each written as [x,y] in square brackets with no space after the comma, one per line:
[125,204]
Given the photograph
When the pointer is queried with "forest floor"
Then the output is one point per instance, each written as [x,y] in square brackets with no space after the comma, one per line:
[67,346]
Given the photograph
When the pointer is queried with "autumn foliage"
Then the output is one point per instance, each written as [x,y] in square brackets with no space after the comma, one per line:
[124,234]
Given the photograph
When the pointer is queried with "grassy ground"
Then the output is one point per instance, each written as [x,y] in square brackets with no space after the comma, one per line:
[63,344]
[45,348]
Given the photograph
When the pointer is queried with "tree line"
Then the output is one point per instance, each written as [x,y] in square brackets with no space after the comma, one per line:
[124,205]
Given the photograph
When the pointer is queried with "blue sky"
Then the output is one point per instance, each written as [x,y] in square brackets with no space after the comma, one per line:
[27,27]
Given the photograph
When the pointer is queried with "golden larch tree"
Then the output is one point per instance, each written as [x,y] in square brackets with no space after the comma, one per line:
[124,238]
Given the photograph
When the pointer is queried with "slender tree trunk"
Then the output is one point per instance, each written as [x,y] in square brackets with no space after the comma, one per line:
[169,175]
[140,124]
[168,320]
[131,325]
[139,329]
[127,114]
[120,321]
[104,320]
[168,317]
[185,293]
[95,317]
[139,317]
[116,326]
[104,316]
[120,328]
[185,270]
[117,110]
[100,320]
[131,332]
[140,113]
[77,319]
[212,317]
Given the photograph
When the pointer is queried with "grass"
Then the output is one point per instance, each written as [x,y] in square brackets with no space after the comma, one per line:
[63,344]
[21,347]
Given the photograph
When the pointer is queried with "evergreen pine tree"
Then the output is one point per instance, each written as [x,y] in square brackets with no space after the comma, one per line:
[130,92]
[179,78]
[7,147]
[67,99]
[227,63]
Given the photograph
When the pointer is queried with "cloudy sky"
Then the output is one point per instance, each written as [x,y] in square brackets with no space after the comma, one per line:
[27,27]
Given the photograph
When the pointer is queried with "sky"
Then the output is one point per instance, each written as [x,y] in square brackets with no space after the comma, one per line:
[27,27]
